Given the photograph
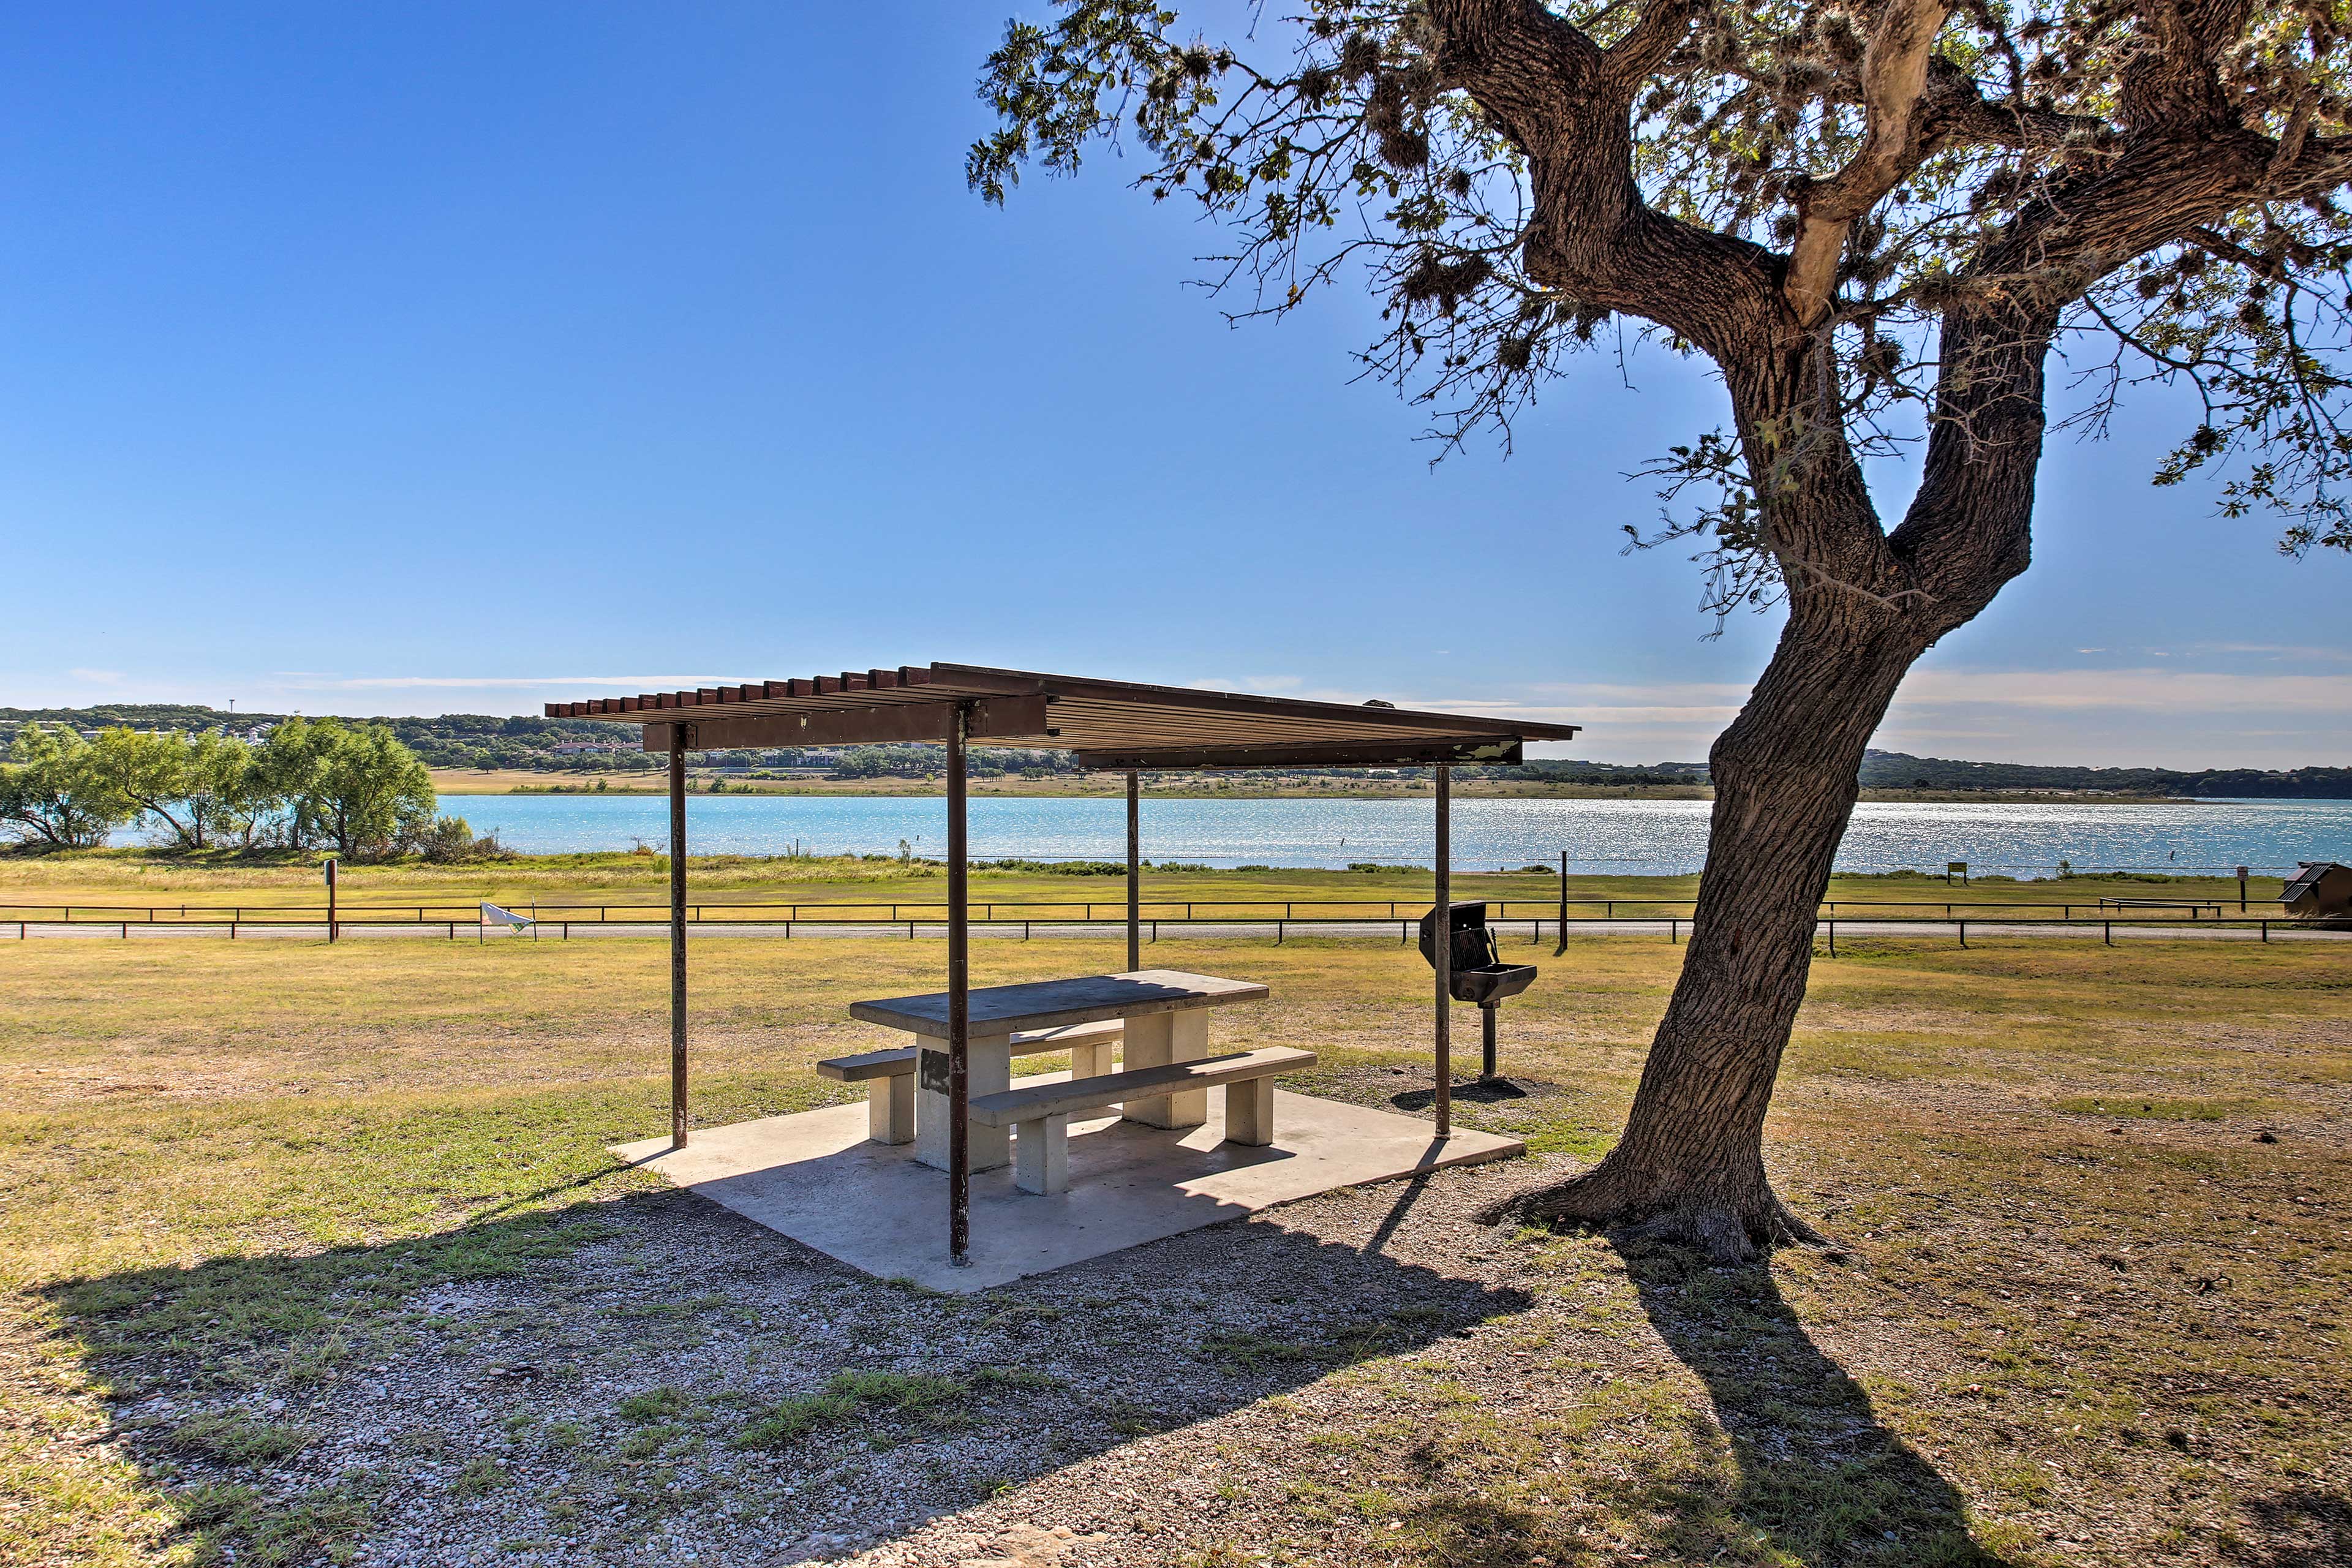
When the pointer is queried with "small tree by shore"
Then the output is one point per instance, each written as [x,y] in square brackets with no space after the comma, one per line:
[311,784]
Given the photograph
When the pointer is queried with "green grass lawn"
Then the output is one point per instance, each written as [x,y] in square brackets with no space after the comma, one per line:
[2089,1306]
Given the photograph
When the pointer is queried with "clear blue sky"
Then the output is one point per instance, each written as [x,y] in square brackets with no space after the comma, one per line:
[459,357]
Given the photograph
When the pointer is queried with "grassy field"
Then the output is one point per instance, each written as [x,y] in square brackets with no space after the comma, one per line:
[311,1252]
[138,882]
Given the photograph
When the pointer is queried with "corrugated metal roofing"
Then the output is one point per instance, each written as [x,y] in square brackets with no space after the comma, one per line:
[1109,724]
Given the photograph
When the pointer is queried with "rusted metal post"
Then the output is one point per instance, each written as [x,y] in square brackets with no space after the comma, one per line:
[334,927]
[679,735]
[1134,870]
[959,1005]
[1442,958]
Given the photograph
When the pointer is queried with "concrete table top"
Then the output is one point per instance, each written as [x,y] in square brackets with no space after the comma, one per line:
[1051,1003]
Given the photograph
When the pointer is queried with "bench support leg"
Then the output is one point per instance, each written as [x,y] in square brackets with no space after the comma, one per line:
[1157,1039]
[1091,1058]
[1041,1155]
[890,1108]
[991,1071]
[1249,1112]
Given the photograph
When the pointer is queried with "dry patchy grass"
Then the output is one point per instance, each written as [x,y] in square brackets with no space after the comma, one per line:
[2089,1308]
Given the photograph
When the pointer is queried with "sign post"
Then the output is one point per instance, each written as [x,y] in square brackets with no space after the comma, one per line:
[1956,868]
[332,924]
[2242,890]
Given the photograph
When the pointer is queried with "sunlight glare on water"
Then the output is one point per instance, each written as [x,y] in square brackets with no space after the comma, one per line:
[1629,837]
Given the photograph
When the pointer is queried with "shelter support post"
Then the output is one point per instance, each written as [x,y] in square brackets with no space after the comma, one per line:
[1134,870]
[1563,906]
[1443,963]
[680,734]
[958,1001]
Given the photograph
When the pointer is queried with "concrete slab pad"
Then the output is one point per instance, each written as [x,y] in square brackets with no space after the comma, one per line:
[813,1177]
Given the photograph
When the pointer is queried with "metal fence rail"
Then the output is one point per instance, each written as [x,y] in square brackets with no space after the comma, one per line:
[1170,910]
[232,921]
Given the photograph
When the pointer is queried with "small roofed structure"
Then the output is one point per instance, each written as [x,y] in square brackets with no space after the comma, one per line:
[2319,891]
[1114,725]
[1110,724]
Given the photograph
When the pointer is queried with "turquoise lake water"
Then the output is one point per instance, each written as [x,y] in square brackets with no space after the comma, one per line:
[1638,837]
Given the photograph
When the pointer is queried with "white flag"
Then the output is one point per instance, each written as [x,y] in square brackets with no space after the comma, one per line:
[493,916]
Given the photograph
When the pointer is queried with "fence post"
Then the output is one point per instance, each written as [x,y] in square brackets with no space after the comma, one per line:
[2266,930]
[1964,933]
[1673,929]
[1833,937]
[2107,932]
[1277,933]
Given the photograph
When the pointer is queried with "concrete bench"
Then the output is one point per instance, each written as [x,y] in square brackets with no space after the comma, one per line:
[1040,1115]
[890,1075]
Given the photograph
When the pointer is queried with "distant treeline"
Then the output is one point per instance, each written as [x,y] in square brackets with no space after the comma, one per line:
[485,740]
[1894,770]
[586,745]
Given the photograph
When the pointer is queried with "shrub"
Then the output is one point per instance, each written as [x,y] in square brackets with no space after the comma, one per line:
[445,841]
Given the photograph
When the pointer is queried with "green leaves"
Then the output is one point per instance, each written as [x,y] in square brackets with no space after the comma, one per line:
[1340,145]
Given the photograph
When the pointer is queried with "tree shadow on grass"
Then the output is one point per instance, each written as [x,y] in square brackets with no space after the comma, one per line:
[652,1373]
[1812,1469]
[2302,1527]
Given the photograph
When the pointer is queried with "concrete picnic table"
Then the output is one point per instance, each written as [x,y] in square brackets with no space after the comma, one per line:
[1165,1014]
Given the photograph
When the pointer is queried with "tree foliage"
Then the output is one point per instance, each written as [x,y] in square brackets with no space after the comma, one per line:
[54,793]
[309,782]
[1904,189]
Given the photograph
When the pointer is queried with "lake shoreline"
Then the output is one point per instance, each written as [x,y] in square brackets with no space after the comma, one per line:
[456,783]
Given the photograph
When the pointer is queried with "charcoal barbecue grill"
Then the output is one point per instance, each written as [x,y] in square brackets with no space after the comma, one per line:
[1478,975]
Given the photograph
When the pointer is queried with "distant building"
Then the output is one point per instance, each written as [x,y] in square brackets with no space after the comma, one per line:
[2320,889]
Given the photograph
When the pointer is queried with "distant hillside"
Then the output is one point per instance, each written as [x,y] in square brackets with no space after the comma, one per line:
[562,745]
[1894,770]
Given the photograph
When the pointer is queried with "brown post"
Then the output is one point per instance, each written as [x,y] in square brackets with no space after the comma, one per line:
[959,1006]
[1442,951]
[1563,906]
[680,734]
[333,928]
[1134,870]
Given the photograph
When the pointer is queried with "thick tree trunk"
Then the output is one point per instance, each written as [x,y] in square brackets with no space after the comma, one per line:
[1690,1164]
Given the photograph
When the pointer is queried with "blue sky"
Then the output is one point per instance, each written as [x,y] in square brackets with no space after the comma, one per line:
[433,358]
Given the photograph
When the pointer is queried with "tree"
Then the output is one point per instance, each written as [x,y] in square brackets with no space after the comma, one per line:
[368,787]
[195,785]
[285,775]
[52,790]
[1874,219]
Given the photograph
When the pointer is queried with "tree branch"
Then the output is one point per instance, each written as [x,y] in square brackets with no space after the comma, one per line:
[1893,80]
[1654,34]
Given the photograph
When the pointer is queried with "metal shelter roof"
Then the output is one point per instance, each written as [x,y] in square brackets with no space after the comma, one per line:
[1109,724]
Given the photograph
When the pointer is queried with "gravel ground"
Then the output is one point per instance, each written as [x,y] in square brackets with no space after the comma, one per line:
[606,1408]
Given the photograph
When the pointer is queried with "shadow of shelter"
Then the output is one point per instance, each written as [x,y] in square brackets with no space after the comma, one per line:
[652,1374]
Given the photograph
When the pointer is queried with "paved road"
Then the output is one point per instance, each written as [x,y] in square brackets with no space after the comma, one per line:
[1513,935]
